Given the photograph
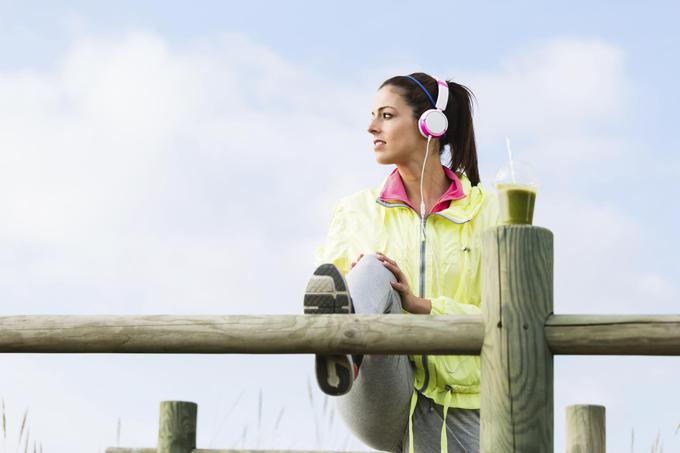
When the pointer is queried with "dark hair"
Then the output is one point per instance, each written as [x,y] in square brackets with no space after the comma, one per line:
[460,135]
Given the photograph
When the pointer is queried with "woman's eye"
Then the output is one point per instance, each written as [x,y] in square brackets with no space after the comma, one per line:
[385,113]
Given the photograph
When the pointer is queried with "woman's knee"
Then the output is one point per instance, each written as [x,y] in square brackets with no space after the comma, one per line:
[371,263]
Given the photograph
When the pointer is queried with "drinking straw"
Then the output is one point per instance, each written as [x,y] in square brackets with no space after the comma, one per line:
[512,165]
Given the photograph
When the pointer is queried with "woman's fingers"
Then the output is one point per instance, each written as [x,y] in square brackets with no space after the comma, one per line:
[399,286]
[385,258]
[395,270]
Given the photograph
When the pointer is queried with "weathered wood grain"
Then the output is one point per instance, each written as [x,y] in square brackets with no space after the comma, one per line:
[292,334]
[516,363]
[586,429]
[281,334]
[614,334]
[177,427]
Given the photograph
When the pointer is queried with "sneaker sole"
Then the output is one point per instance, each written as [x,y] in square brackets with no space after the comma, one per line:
[327,293]
[334,374]
[320,298]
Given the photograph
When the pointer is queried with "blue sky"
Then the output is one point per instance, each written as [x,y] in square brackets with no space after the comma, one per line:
[145,148]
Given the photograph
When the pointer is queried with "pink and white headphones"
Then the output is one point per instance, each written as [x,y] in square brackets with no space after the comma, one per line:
[433,122]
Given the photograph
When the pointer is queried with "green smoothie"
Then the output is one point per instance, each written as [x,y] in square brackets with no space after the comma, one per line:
[516,203]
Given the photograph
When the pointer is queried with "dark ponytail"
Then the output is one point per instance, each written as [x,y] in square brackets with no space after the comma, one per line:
[460,135]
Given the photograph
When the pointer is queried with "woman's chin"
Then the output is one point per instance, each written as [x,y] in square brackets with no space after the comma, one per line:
[382,158]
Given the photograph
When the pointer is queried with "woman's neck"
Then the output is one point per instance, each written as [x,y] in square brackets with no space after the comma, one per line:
[435,181]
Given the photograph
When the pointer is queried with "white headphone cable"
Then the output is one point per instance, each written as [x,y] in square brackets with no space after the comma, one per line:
[422,198]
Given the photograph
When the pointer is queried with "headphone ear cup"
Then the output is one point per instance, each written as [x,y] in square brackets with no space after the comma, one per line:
[433,123]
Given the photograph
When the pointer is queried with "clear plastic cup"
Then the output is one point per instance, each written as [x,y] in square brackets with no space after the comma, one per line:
[517,185]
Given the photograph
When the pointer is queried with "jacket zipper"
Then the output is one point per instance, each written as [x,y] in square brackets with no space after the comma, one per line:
[421,292]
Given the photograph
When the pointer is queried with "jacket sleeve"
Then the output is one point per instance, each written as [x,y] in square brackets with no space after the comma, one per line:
[467,301]
[338,247]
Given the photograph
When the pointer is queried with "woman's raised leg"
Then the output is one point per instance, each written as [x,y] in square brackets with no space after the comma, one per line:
[376,408]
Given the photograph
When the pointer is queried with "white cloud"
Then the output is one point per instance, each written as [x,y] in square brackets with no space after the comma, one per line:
[552,89]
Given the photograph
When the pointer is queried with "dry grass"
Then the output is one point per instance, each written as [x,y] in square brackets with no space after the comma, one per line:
[23,441]
[254,433]
[657,445]
[324,419]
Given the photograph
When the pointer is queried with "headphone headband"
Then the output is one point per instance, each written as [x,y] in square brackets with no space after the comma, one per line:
[442,92]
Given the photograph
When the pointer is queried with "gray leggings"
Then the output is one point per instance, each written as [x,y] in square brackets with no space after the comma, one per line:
[376,410]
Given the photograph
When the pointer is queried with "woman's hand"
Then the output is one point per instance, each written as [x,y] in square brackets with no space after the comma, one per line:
[410,302]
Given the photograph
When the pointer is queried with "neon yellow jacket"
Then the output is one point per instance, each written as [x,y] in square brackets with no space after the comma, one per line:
[446,262]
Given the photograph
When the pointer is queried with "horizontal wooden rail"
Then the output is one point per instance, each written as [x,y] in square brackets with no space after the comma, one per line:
[300,334]
[613,334]
[271,334]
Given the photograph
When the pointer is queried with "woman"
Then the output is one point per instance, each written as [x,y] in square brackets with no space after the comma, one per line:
[412,245]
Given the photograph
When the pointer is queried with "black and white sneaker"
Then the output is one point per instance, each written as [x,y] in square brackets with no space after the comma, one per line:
[327,293]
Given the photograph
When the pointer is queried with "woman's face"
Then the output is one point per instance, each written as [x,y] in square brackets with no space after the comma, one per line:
[396,139]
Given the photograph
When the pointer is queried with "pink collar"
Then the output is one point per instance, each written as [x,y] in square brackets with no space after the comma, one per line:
[394,190]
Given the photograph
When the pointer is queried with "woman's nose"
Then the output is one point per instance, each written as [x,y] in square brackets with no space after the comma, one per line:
[372,127]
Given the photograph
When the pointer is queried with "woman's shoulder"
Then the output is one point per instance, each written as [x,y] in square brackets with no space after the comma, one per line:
[482,204]
[474,206]
[361,200]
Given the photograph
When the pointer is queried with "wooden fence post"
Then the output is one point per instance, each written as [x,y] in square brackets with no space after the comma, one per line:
[516,363]
[177,430]
[586,429]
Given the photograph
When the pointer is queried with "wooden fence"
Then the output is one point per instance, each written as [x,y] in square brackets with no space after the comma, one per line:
[517,336]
